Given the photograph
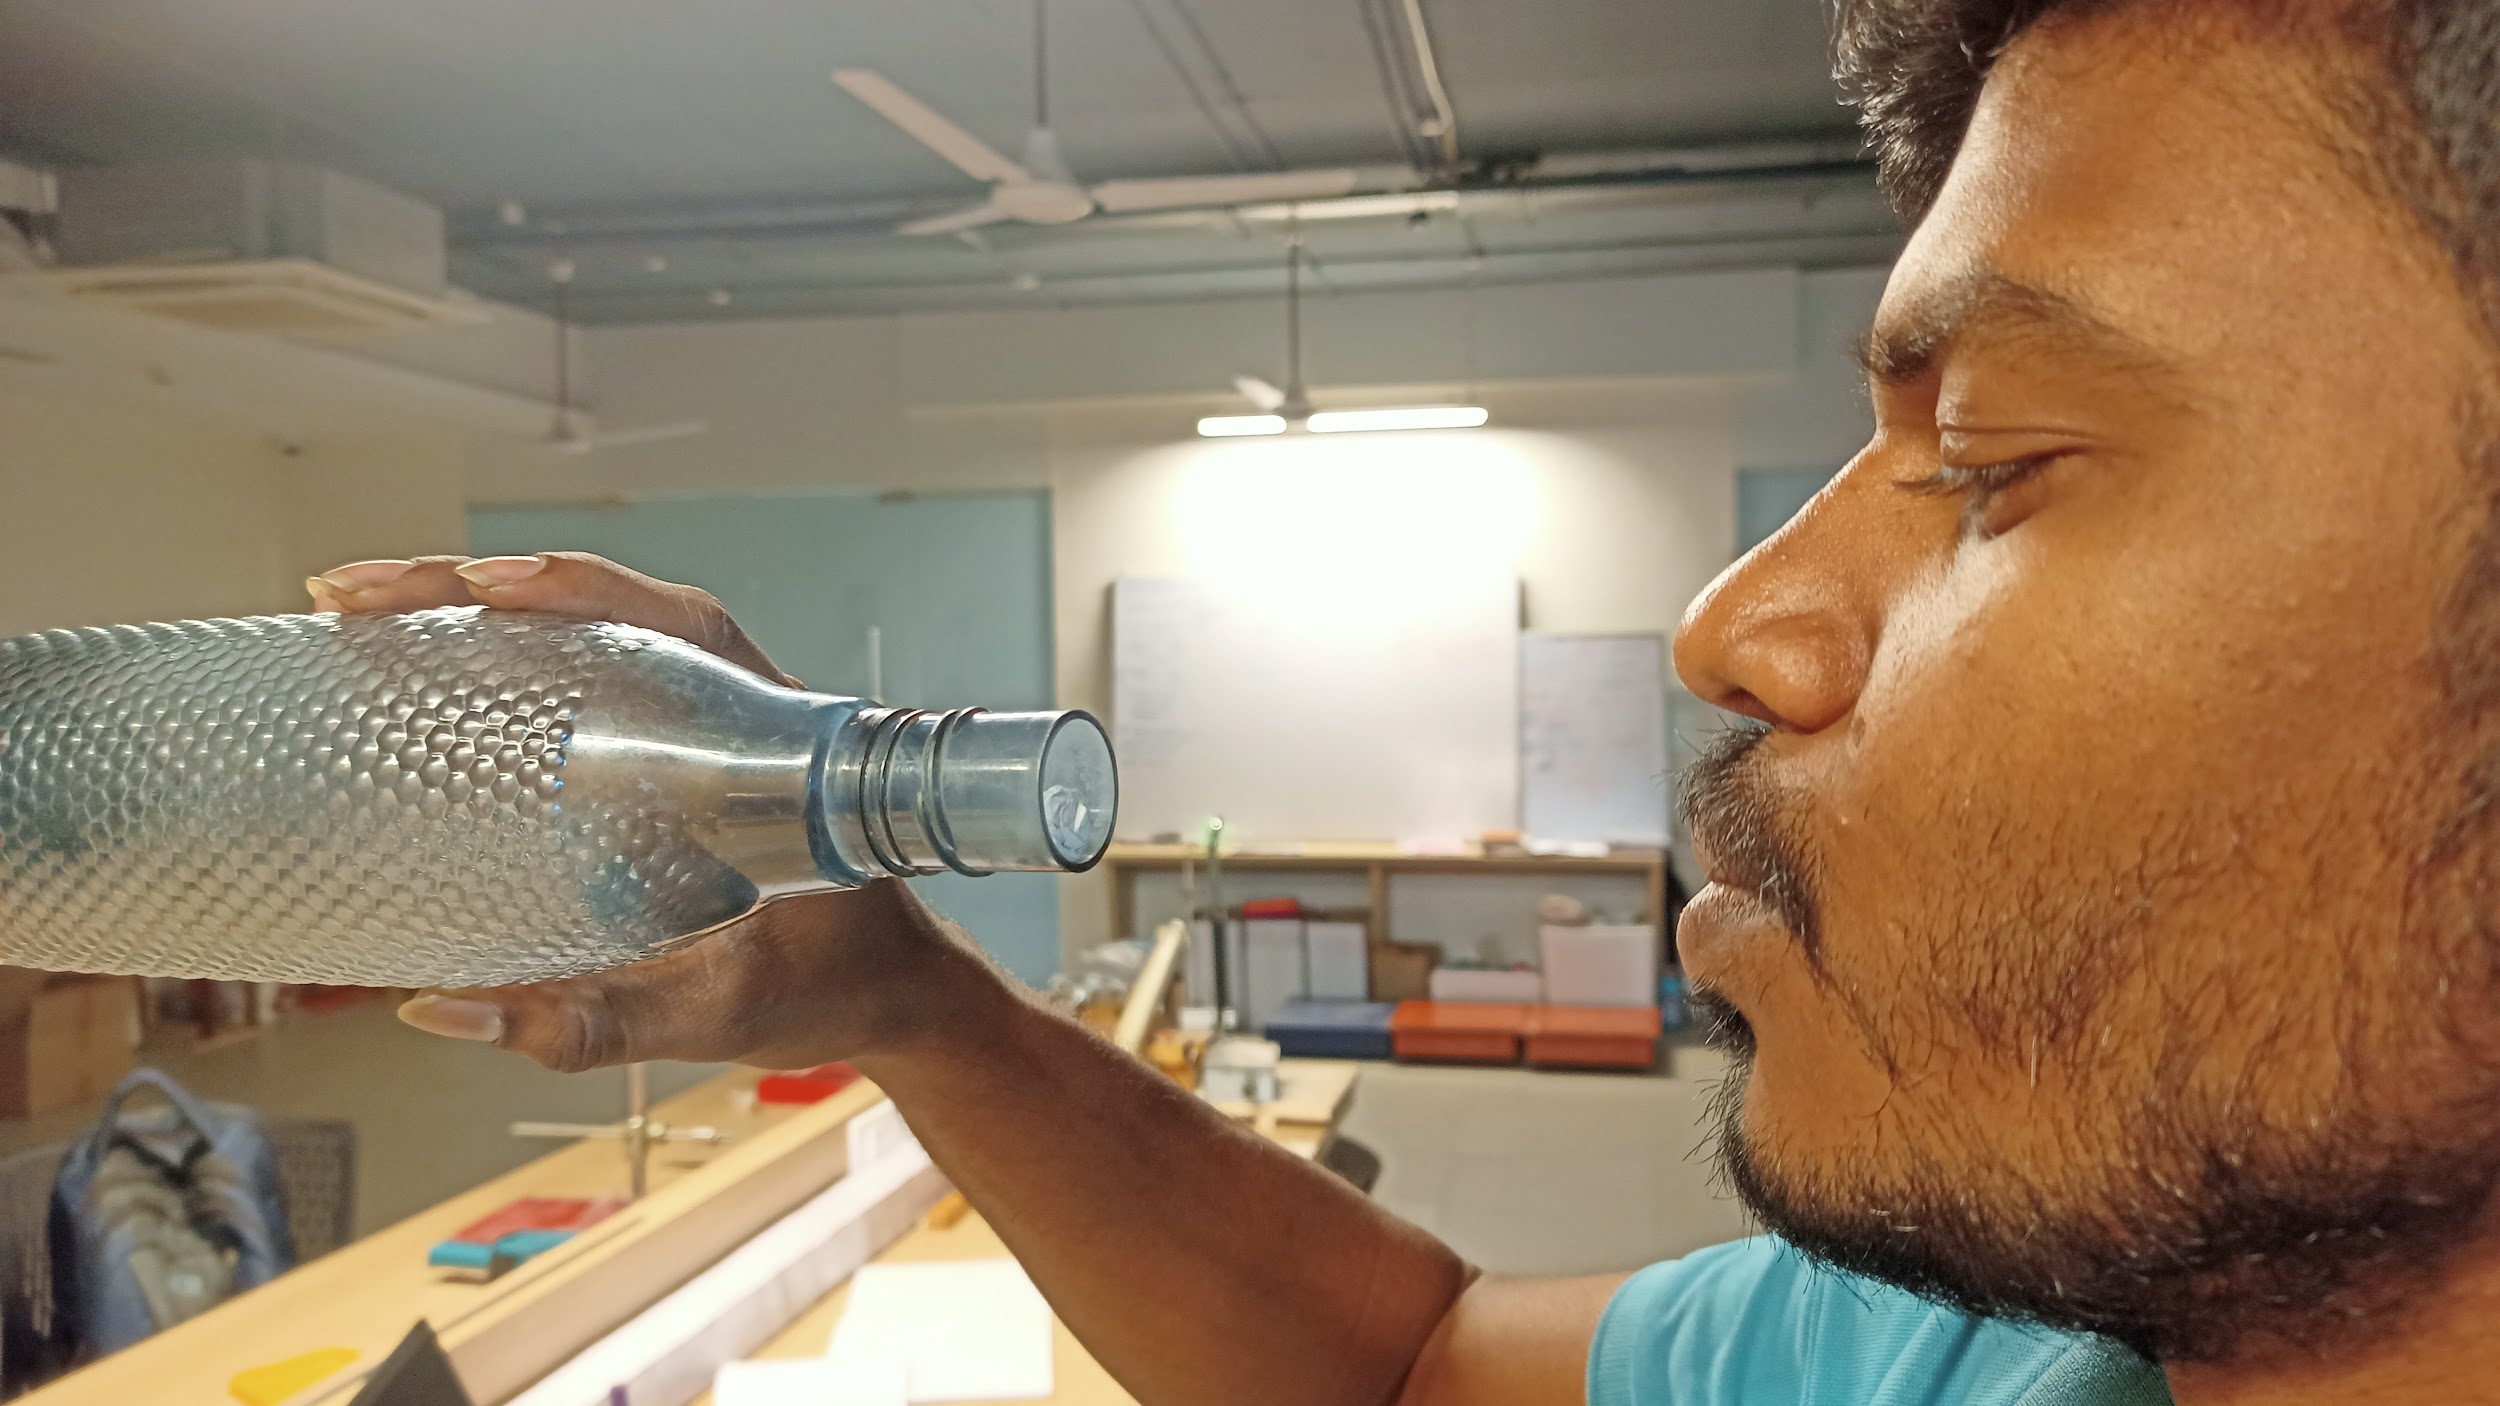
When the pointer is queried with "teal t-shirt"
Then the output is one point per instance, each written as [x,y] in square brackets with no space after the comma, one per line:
[1756,1322]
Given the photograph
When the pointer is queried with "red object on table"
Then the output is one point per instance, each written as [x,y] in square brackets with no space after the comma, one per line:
[1458,1030]
[1272,908]
[805,1085]
[539,1213]
[1593,1037]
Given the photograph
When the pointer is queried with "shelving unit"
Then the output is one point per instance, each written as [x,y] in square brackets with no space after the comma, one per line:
[1378,863]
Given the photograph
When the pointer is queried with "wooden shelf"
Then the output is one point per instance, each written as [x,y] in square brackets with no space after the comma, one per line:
[1124,862]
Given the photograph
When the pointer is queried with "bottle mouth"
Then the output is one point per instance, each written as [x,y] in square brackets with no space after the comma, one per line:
[969,791]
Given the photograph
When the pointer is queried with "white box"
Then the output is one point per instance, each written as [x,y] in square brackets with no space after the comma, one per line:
[1487,987]
[1340,960]
[1601,965]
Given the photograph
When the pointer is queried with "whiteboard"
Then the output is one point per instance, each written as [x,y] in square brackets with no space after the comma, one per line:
[1593,738]
[1310,715]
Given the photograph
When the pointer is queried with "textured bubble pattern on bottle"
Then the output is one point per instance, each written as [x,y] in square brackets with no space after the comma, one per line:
[371,800]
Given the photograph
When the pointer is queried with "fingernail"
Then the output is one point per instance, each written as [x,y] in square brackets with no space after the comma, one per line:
[459,1020]
[323,603]
[365,575]
[500,571]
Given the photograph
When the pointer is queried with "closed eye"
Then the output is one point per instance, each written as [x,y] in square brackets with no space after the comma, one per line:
[1980,479]
[1981,486]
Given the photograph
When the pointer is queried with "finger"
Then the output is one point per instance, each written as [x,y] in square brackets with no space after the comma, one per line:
[385,585]
[594,588]
[672,1007]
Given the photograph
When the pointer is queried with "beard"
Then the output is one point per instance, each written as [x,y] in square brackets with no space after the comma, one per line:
[2196,1221]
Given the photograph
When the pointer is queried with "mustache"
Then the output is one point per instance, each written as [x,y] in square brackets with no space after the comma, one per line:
[1731,809]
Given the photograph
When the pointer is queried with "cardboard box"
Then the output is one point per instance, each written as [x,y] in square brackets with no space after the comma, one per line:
[1402,971]
[65,1041]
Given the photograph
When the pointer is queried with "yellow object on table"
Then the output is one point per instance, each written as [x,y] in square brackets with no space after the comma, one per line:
[267,1386]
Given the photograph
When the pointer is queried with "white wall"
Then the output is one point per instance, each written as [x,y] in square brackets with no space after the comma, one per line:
[116,509]
[111,511]
[1815,417]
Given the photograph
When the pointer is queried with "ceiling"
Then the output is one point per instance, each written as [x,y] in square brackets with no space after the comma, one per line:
[679,150]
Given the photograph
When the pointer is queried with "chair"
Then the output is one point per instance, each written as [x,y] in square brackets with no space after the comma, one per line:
[1358,1164]
[316,1170]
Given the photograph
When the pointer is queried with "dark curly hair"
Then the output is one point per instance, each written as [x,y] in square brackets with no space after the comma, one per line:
[2425,96]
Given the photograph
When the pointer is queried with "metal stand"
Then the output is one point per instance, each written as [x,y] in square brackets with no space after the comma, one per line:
[1226,1017]
[639,1132]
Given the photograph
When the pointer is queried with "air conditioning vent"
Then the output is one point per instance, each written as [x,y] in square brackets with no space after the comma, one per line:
[273,297]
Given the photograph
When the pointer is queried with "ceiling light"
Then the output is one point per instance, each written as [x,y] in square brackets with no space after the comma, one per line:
[1240,426]
[1405,417]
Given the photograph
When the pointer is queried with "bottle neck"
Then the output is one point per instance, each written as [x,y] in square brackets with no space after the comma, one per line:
[898,791]
[874,810]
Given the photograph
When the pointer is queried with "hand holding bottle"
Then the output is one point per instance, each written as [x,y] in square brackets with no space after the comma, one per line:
[807,980]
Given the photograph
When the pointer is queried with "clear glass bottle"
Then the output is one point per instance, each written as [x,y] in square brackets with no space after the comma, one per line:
[471,797]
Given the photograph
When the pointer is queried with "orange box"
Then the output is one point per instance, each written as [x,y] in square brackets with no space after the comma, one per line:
[1457,1030]
[1592,1037]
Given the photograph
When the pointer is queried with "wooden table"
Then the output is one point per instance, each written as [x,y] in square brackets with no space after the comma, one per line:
[506,1334]
[1312,1098]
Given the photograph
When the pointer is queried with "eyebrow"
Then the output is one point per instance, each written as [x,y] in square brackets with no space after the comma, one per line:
[1987,304]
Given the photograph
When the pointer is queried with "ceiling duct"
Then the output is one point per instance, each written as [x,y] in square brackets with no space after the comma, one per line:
[249,245]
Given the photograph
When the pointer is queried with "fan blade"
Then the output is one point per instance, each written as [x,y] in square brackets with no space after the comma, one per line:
[646,434]
[1182,192]
[924,124]
[1259,391]
[577,439]
[970,217]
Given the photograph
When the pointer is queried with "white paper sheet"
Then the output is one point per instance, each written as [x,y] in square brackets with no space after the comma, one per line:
[964,1330]
[810,1381]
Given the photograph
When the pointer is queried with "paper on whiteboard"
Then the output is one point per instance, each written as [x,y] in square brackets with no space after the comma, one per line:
[964,1330]
[1593,738]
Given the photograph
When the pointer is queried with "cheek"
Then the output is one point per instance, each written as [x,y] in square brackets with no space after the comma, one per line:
[2122,748]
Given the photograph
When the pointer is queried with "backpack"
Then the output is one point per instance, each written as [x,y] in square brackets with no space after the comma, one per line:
[159,1215]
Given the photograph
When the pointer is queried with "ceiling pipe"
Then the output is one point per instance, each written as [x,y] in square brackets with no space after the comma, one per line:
[1659,169]
[1203,282]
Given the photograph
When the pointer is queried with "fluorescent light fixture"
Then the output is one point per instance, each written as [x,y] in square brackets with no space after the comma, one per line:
[1406,417]
[1240,426]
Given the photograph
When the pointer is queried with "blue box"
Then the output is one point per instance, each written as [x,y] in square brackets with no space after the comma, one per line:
[1332,1029]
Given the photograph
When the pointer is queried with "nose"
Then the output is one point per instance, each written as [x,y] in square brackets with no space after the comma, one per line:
[1786,635]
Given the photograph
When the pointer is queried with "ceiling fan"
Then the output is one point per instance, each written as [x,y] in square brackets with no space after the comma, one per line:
[571,434]
[1040,189]
[1286,408]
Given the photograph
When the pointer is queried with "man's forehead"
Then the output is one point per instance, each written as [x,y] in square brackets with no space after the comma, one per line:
[2115,186]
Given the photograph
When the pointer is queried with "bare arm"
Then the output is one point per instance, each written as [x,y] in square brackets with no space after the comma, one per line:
[1195,1260]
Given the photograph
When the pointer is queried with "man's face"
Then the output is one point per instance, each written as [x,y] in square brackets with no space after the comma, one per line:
[2107,903]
